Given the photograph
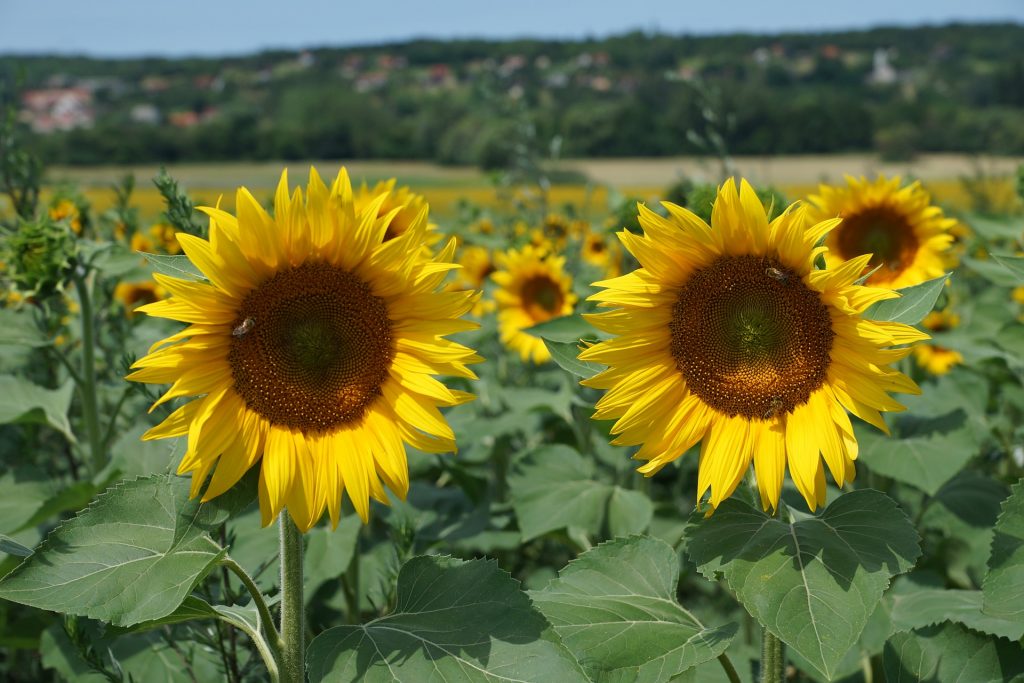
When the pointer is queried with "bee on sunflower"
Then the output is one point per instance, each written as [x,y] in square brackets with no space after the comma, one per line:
[310,351]
[729,336]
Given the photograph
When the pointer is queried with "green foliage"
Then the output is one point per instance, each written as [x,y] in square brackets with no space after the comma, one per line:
[913,304]
[812,583]
[22,401]
[132,556]
[456,620]
[180,211]
[615,608]
[1004,585]
[951,653]
[553,487]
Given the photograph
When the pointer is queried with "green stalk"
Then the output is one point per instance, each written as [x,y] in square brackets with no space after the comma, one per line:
[773,659]
[293,619]
[87,385]
[730,670]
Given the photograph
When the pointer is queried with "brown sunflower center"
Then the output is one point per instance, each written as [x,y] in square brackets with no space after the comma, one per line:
[750,337]
[883,232]
[542,298]
[311,347]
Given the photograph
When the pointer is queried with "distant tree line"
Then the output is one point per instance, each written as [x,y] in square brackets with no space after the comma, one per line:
[958,88]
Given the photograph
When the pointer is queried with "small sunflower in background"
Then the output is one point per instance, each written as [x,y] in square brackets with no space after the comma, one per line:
[67,210]
[140,242]
[310,352]
[407,204]
[164,235]
[938,360]
[729,336]
[597,250]
[909,238]
[477,266]
[533,287]
[133,295]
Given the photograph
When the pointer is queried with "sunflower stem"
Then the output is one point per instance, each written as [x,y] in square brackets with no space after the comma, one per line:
[266,619]
[773,658]
[730,670]
[292,659]
[87,385]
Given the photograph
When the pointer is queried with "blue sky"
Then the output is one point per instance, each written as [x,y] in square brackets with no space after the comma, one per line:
[127,28]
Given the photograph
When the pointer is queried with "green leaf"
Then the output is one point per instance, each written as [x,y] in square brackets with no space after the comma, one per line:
[951,653]
[929,606]
[22,492]
[1004,584]
[553,487]
[12,547]
[565,355]
[193,608]
[615,609]
[991,271]
[964,510]
[74,497]
[17,328]
[453,621]
[1014,264]
[176,266]
[567,328]
[23,401]
[912,306]
[926,460]
[329,551]
[133,555]
[813,583]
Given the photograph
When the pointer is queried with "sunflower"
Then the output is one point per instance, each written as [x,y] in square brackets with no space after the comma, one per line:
[909,238]
[310,351]
[132,295]
[165,235]
[65,209]
[598,251]
[477,266]
[533,287]
[728,335]
[408,203]
[938,360]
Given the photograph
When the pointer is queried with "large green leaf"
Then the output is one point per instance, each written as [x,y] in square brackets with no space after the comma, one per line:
[1004,584]
[23,401]
[567,328]
[453,621]
[813,583]
[565,355]
[913,304]
[925,460]
[964,510]
[133,555]
[951,653]
[928,606]
[553,487]
[176,266]
[23,492]
[18,328]
[1014,264]
[615,608]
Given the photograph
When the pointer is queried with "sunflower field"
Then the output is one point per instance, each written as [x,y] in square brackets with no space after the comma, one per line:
[326,434]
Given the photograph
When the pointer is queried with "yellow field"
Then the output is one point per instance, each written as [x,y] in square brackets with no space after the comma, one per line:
[644,179]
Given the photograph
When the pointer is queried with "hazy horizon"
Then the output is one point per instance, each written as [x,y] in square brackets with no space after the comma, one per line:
[122,29]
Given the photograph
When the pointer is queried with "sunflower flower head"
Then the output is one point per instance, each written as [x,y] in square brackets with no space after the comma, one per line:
[938,360]
[533,287]
[908,237]
[310,351]
[728,336]
[406,204]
